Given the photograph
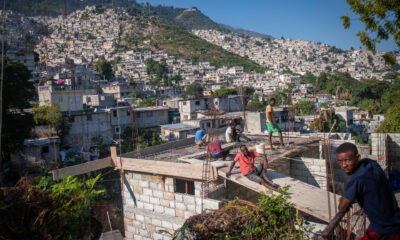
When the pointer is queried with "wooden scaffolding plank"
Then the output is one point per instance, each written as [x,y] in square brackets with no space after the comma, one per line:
[174,169]
[307,198]
[82,168]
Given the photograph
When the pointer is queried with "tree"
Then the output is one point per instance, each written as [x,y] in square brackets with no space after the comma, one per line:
[46,115]
[391,124]
[194,90]
[104,68]
[304,107]
[17,92]
[50,210]
[381,18]
[147,102]
[224,92]
[144,138]
[255,104]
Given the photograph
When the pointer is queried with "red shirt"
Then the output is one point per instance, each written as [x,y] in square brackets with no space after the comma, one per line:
[214,147]
[246,163]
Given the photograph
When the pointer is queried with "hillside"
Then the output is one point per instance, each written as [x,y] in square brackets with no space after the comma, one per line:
[188,19]
[155,34]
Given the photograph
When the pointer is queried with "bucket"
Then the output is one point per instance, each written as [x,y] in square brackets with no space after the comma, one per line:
[260,148]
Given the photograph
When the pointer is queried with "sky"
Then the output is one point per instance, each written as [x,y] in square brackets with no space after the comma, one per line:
[312,20]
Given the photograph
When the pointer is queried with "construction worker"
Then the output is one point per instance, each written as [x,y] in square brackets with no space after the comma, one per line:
[256,174]
[233,135]
[201,138]
[272,127]
[369,186]
[215,150]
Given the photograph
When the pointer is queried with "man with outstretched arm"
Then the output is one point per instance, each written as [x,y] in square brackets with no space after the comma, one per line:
[272,127]
[369,186]
[256,174]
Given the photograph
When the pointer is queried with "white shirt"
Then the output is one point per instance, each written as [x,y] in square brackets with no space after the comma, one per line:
[227,134]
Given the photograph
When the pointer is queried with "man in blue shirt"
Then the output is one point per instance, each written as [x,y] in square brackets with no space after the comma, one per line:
[369,186]
[201,138]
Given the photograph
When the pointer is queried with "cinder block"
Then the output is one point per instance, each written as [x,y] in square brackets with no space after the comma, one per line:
[128,221]
[154,201]
[169,181]
[187,199]
[178,197]
[157,193]
[147,219]
[180,206]
[144,198]
[169,196]
[165,237]
[137,190]
[169,188]
[156,222]
[211,204]
[144,184]
[188,214]
[166,224]
[143,233]
[315,168]
[139,204]
[148,206]
[128,235]
[138,237]
[150,227]
[158,209]
[157,236]
[148,192]
[131,229]
[191,207]
[136,175]
[139,217]
[169,211]
[179,213]
[164,202]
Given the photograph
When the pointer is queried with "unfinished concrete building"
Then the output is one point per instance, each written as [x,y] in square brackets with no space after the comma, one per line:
[165,184]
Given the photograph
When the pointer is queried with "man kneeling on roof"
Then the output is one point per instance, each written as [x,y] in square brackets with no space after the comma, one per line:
[215,150]
[256,174]
[369,186]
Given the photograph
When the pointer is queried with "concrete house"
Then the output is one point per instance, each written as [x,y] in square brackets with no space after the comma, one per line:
[177,131]
[62,95]
[150,117]
[188,108]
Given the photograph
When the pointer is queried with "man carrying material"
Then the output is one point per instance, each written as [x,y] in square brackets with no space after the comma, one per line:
[272,127]
[201,138]
[369,186]
[256,174]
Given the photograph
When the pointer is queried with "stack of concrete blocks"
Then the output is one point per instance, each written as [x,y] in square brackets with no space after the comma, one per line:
[392,149]
[152,209]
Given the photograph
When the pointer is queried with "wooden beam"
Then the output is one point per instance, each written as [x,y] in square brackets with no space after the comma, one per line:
[82,168]
[164,168]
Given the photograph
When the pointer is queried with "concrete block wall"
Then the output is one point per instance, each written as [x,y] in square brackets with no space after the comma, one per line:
[393,148]
[309,170]
[152,209]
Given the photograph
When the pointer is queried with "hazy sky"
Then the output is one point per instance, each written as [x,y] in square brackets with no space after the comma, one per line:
[314,20]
